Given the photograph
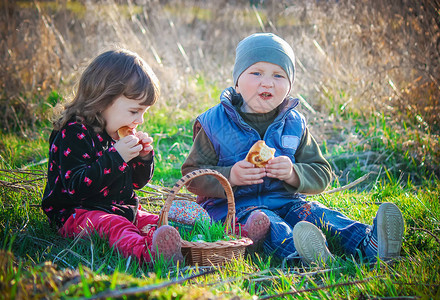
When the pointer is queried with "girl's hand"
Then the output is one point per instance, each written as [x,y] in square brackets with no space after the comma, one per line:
[128,147]
[281,167]
[245,173]
[146,142]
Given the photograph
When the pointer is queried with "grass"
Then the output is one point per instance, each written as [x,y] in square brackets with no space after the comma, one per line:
[368,78]
[31,248]
[205,231]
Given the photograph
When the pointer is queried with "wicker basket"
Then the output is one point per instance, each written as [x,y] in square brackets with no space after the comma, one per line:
[208,253]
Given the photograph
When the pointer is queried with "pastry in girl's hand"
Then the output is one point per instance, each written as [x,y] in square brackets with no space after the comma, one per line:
[260,154]
[126,131]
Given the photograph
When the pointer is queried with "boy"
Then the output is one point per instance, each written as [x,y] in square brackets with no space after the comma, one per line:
[259,108]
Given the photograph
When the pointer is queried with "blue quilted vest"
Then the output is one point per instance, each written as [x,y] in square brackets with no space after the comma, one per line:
[232,138]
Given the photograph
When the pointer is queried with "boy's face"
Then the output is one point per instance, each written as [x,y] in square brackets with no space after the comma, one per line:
[263,87]
[123,112]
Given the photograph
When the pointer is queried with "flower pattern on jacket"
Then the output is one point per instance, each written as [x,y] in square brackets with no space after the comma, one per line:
[86,171]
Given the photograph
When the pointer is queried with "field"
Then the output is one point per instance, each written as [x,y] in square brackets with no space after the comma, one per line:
[367,76]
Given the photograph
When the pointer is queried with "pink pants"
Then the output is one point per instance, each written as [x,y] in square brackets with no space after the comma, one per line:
[121,233]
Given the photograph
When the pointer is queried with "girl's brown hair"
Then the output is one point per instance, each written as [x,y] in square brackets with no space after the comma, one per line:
[110,75]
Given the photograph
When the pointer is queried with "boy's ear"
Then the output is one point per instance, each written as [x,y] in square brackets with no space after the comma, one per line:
[237,89]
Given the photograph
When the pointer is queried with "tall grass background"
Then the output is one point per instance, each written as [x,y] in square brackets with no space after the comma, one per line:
[367,76]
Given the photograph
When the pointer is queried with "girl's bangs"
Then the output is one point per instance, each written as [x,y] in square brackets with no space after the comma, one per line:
[138,88]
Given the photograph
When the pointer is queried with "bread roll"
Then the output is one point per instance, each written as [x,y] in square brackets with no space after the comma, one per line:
[260,154]
[126,131]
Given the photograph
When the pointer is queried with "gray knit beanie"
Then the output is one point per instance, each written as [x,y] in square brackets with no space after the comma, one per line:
[266,47]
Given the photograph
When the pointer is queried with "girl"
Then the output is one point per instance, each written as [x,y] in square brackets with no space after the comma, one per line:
[92,172]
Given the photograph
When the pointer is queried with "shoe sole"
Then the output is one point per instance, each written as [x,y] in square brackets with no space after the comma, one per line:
[310,243]
[167,242]
[390,227]
[257,227]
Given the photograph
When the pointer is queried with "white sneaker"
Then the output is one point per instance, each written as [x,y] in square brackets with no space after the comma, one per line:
[310,243]
[390,227]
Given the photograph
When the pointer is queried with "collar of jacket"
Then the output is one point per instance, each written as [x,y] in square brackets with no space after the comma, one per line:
[229,98]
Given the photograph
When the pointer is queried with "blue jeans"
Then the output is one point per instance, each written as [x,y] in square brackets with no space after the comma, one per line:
[280,240]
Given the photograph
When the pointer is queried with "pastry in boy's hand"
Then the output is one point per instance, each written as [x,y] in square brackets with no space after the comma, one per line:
[126,131]
[260,154]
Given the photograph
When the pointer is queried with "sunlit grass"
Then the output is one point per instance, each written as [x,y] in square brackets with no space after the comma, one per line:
[26,234]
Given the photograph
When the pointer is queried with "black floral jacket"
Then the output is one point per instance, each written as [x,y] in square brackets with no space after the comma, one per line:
[85,171]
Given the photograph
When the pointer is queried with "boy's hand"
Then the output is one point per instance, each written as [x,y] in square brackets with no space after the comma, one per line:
[146,142]
[128,147]
[245,173]
[281,167]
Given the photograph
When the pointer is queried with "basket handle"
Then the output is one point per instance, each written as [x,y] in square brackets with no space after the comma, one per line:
[230,217]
